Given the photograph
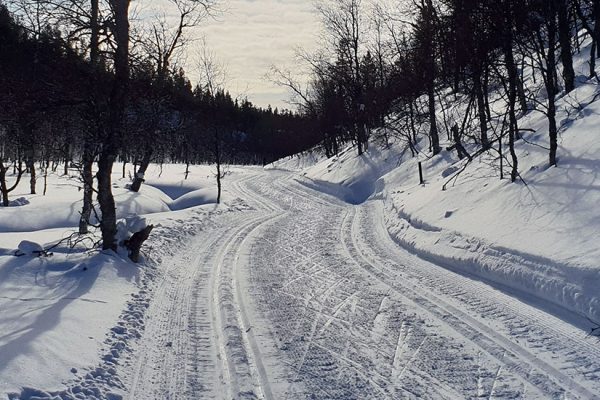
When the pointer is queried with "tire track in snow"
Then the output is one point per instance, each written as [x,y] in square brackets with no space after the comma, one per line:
[396,370]
[544,335]
[174,357]
[351,316]
[179,355]
[564,380]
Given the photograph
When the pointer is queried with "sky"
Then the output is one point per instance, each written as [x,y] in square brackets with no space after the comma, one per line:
[249,37]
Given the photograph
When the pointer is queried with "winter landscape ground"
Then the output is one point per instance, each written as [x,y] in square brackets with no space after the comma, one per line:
[316,276]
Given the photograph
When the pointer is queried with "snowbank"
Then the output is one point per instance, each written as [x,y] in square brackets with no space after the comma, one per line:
[538,237]
[63,312]
[298,162]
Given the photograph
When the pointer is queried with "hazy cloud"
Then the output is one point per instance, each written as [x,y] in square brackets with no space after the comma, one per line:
[251,36]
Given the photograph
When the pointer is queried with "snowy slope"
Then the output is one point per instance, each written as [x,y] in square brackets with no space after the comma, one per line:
[538,237]
[298,162]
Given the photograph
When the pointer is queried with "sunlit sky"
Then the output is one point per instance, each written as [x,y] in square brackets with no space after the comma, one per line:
[252,35]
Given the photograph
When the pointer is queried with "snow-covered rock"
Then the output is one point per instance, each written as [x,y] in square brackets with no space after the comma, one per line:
[28,247]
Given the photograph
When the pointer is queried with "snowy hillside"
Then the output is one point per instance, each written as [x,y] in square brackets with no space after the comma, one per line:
[538,236]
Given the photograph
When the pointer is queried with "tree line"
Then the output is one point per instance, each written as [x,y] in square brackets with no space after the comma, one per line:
[393,70]
[83,87]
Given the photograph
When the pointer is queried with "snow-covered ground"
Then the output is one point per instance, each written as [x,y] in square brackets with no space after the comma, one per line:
[537,237]
[60,312]
[318,278]
[281,292]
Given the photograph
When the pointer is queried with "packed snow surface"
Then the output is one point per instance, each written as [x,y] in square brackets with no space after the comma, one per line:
[537,237]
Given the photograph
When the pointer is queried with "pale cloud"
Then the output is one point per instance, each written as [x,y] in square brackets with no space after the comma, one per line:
[250,37]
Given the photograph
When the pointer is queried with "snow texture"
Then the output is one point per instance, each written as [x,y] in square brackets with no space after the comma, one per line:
[338,278]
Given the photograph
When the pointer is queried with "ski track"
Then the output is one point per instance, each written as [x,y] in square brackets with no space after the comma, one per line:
[302,296]
[205,351]
[359,317]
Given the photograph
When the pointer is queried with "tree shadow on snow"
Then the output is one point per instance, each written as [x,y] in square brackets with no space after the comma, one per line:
[65,282]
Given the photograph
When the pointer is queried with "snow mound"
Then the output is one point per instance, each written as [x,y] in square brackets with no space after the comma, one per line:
[21,201]
[195,198]
[27,247]
[62,206]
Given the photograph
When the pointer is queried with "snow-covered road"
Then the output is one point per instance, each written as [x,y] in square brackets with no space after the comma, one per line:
[306,296]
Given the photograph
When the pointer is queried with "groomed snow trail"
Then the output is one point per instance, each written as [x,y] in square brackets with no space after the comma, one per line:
[308,297]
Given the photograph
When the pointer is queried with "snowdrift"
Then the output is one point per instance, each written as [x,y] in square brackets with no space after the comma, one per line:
[62,205]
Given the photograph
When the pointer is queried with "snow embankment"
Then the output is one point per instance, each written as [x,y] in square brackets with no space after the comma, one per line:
[537,237]
[569,285]
[349,177]
[298,162]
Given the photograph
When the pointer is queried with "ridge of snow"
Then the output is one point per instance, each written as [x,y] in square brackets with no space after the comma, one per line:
[538,237]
